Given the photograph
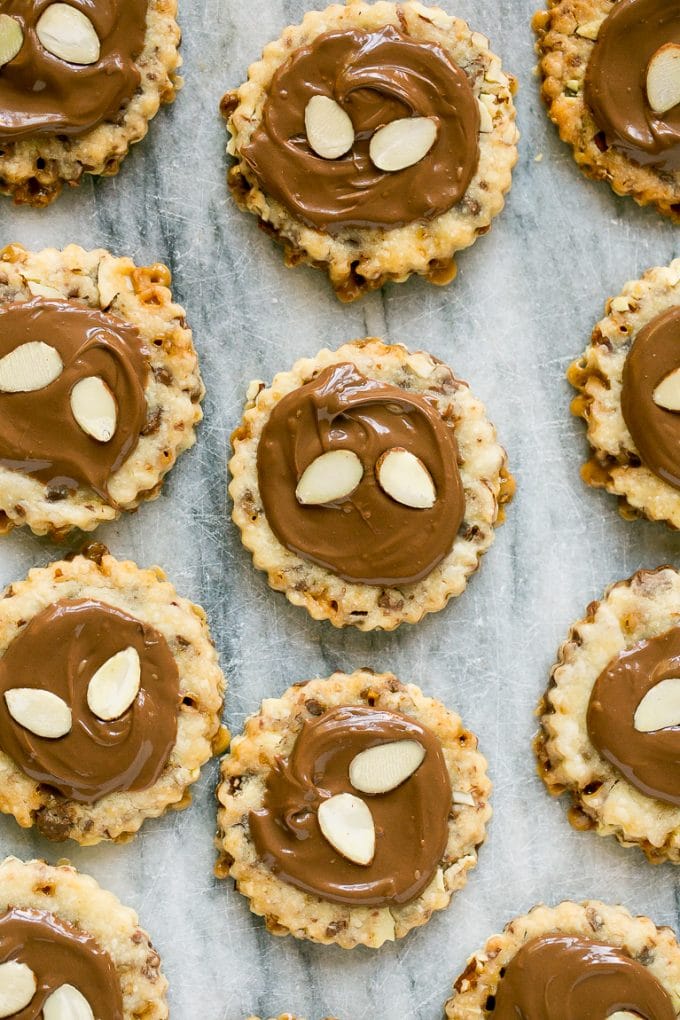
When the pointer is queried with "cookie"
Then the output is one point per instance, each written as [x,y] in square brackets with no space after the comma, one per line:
[99,387]
[110,698]
[351,808]
[575,959]
[608,88]
[628,380]
[376,506]
[374,141]
[79,83]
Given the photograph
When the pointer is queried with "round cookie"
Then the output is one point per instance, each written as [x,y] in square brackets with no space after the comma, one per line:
[595,55]
[74,455]
[633,424]
[74,768]
[575,959]
[79,84]
[428,196]
[428,828]
[365,557]
[62,935]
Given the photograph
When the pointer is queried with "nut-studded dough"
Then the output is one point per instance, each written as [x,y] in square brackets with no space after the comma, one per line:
[270,734]
[486,483]
[362,259]
[147,595]
[598,374]
[140,296]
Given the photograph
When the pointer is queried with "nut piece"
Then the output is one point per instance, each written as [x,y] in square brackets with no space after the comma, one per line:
[663,78]
[330,132]
[94,408]
[67,33]
[462,797]
[623,1014]
[382,768]
[485,118]
[347,824]
[67,1003]
[590,29]
[333,475]
[115,685]
[11,39]
[667,393]
[39,711]
[405,478]
[30,367]
[660,707]
[402,143]
[17,987]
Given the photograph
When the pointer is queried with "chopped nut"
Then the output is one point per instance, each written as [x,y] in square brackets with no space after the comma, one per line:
[461,797]
[590,29]
[485,118]
[620,303]
[41,290]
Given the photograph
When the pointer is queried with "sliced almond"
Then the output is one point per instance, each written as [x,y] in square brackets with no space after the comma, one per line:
[67,1003]
[11,38]
[663,78]
[660,707]
[112,280]
[667,393]
[402,143]
[41,290]
[329,130]
[384,767]
[331,476]
[30,367]
[347,824]
[115,685]
[623,1014]
[404,477]
[17,987]
[461,797]
[485,118]
[94,408]
[39,711]
[68,34]
[590,29]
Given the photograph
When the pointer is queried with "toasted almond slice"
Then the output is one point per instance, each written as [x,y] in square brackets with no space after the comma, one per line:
[115,685]
[67,1003]
[402,143]
[461,797]
[485,118]
[68,34]
[331,476]
[663,78]
[667,393]
[382,768]
[11,38]
[17,987]
[590,29]
[41,290]
[660,707]
[32,366]
[112,280]
[404,477]
[39,711]
[94,408]
[329,129]
[347,824]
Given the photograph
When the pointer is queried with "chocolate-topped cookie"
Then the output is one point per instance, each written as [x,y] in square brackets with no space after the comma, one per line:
[367,483]
[611,81]
[350,809]
[79,83]
[374,141]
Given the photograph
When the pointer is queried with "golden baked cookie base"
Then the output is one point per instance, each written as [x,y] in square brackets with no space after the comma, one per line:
[356,259]
[598,374]
[271,734]
[147,595]
[34,170]
[140,296]
[652,947]
[486,483]
[564,56]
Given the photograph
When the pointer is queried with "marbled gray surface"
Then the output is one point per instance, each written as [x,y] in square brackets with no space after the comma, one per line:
[521,309]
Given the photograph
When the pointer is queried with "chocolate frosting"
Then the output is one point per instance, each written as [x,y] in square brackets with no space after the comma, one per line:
[59,650]
[615,87]
[41,94]
[411,822]
[563,977]
[376,78]
[649,761]
[655,431]
[60,954]
[367,537]
[38,434]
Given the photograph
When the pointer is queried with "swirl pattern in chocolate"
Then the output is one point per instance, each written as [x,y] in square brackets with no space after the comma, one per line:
[376,78]
[615,88]
[38,434]
[42,94]
[59,954]
[367,537]
[59,650]
[411,821]
[564,977]
[649,761]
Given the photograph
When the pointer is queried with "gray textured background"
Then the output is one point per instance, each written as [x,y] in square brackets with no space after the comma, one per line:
[522,307]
